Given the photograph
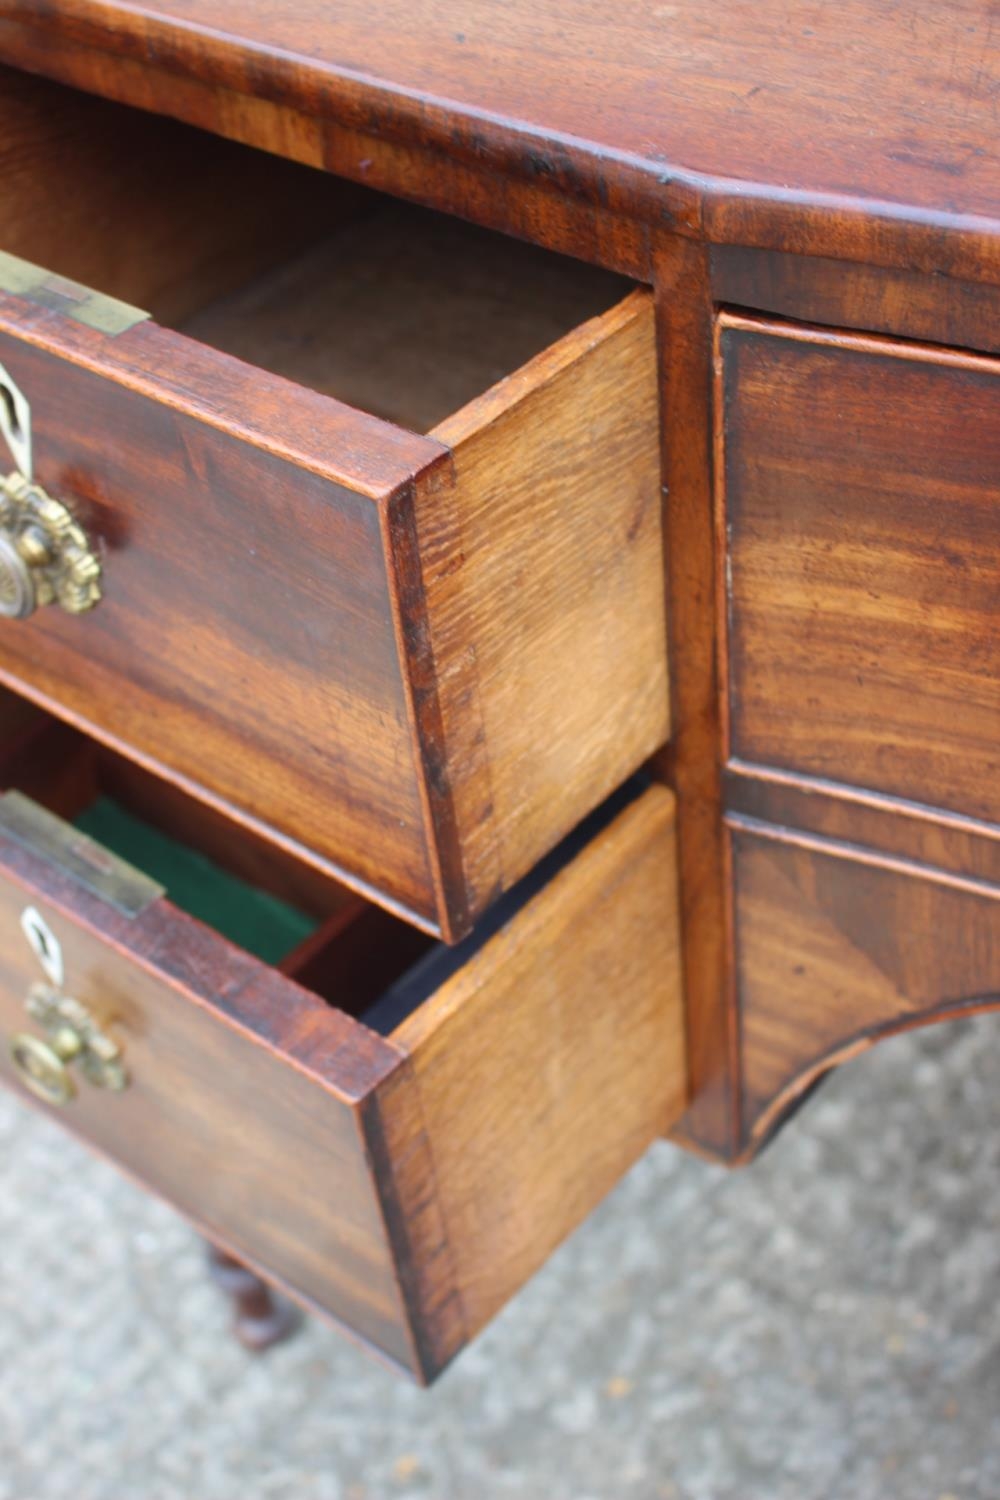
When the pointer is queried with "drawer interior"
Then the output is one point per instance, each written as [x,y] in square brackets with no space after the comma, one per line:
[399,311]
[405,313]
[299,920]
[344,949]
[266,925]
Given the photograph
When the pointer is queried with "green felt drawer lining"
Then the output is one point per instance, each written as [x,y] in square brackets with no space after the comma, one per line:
[256,921]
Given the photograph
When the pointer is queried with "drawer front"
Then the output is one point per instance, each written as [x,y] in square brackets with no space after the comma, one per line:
[420,658]
[242,1105]
[245,639]
[837,946]
[407,1187]
[861,505]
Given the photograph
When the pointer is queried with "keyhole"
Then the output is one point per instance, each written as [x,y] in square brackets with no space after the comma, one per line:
[11,421]
[15,424]
[44,944]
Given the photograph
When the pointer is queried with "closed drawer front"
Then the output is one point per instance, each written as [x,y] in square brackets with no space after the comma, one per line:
[375,498]
[396,1131]
[861,505]
[838,945]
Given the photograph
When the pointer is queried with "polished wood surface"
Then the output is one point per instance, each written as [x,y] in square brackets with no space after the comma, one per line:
[406,1187]
[836,947]
[243,1107]
[692,760]
[848,294]
[416,661]
[546,1067]
[559,644]
[246,626]
[863,129]
[863,551]
[832,667]
[888,825]
[856,498]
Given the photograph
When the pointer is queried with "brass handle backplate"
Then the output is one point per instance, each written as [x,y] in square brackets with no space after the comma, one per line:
[72,1037]
[45,556]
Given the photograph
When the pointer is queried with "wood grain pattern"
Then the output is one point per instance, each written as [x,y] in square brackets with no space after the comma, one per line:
[154,239]
[548,1064]
[407,168]
[245,643]
[407,315]
[243,1106]
[691,763]
[787,141]
[846,294]
[791,126]
[542,571]
[271,636]
[405,1187]
[860,495]
[835,950]
[887,825]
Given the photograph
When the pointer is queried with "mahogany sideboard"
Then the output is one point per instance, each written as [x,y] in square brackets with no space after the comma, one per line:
[499,568]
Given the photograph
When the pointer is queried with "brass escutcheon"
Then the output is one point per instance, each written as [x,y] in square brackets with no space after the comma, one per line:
[71,1037]
[45,557]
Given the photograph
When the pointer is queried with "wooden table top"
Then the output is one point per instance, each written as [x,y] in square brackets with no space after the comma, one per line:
[866,129]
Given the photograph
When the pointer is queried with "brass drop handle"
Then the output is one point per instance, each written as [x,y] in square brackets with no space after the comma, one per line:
[45,556]
[72,1036]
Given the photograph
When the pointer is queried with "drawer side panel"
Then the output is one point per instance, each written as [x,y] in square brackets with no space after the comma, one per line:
[544,1069]
[543,576]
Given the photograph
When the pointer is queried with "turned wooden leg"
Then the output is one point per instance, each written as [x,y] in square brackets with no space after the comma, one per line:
[260,1317]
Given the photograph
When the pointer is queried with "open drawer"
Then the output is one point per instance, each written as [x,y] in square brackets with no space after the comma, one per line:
[396,1131]
[374,496]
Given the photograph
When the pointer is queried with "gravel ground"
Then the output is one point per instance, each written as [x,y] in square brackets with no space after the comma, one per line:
[821,1326]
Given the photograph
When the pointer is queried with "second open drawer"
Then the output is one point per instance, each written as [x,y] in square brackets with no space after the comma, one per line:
[397,1131]
[375,498]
